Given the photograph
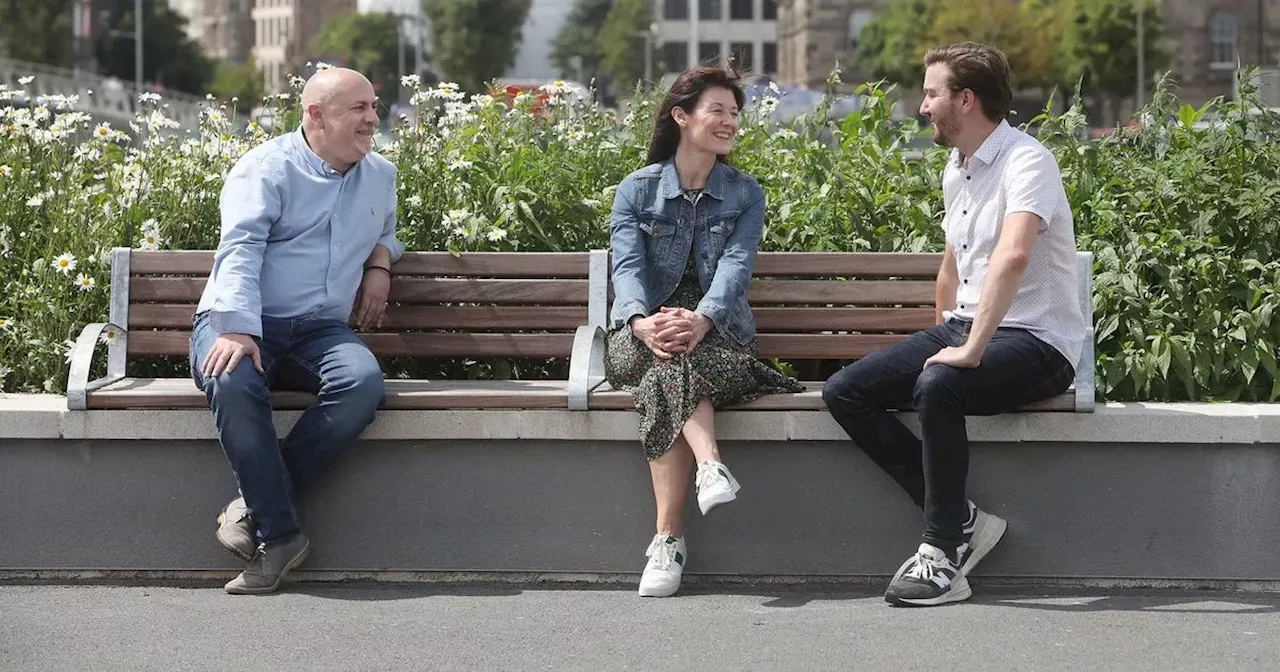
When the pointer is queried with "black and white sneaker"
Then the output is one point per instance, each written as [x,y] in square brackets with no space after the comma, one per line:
[927,579]
[982,531]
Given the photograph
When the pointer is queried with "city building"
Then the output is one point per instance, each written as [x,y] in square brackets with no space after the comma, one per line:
[1205,38]
[695,31]
[282,29]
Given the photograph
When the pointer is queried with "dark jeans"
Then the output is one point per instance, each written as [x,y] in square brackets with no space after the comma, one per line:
[1017,369]
[324,357]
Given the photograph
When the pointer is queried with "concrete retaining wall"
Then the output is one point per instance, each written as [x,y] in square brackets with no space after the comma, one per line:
[1158,492]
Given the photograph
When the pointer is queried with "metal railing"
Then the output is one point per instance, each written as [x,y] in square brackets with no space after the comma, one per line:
[106,98]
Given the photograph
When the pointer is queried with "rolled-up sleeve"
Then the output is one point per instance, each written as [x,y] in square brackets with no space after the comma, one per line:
[627,244]
[733,270]
[388,238]
[250,204]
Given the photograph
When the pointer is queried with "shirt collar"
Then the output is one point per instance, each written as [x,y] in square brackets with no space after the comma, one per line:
[669,187]
[317,164]
[990,149]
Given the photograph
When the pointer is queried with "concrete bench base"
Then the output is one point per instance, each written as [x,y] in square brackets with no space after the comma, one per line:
[1193,503]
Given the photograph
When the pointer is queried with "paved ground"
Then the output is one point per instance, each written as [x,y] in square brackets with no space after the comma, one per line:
[379,627]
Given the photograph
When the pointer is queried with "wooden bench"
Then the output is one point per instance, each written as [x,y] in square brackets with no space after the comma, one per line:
[838,306]
[809,306]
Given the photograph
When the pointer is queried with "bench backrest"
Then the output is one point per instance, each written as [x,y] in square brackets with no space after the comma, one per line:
[492,304]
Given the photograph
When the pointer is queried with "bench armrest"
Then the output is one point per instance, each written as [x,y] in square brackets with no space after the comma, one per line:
[78,384]
[586,365]
[1085,383]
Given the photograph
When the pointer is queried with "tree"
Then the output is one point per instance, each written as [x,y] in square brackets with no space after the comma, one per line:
[892,45]
[576,50]
[169,56]
[242,82]
[622,44]
[1100,46]
[475,41]
[36,30]
[1027,31]
[366,42]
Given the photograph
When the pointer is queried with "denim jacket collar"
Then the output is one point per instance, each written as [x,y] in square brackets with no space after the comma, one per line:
[670,185]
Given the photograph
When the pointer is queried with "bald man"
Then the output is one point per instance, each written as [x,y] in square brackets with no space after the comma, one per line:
[308,229]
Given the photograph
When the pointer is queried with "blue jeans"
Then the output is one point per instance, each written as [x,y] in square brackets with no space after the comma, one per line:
[323,357]
[1017,369]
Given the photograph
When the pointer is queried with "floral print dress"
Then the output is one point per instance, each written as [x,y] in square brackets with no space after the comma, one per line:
[667,392]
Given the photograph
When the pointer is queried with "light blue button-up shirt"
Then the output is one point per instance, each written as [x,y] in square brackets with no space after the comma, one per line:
[296,234]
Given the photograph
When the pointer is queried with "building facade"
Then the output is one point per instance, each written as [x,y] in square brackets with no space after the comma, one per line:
[1205,38]
[689,32]
[225,29]
[282,29]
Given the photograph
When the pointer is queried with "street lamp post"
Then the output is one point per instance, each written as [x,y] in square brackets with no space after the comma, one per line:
[137,43]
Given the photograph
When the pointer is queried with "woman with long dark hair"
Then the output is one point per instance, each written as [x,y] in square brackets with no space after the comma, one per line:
[684,235]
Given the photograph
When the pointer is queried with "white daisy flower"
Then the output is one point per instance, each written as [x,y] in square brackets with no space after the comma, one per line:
[65,263]
[460,164]
[26,80]
[5,171]
[496,234]
[6,323]
[109,336]
[84,282]
[455,218]
[413,201]
[103,131]
[150,240]
[36,201]
[411,81]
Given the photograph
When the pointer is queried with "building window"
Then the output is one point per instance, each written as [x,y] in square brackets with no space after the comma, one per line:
[769,10]
[708,52]
[740,10]
[769,59]
[675,56]
[1223,34]
[743,56]
[675,10]
[858,21]
[709,10]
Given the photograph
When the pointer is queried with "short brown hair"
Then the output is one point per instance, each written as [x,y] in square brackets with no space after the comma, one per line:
[981,68]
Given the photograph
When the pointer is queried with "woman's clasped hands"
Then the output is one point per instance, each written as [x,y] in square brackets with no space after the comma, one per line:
[671,331]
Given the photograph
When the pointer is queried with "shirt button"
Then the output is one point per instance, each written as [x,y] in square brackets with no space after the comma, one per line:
[964,247]
[965,212]
[967,177]
[966,281]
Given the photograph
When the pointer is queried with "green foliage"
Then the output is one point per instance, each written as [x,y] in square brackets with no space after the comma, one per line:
[169,56]
[474,41]
[579,40]
[1180,214]
[1099,45]
[621,43]
[368,42]
[38,31]
[242,85]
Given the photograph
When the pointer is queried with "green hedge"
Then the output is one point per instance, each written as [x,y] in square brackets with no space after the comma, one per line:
[1182,214]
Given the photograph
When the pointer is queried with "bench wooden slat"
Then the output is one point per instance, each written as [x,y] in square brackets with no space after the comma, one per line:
[489,264]
[424,394]
[401,394]
[823,346]
[793,320]
[841,293]
[846,264]
[485,318]
[405,290]
[606,398]
[412,344]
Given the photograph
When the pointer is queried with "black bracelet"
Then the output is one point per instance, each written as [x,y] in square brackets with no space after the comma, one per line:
[380,268]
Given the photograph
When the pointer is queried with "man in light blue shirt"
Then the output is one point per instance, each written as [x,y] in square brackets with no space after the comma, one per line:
[308,225]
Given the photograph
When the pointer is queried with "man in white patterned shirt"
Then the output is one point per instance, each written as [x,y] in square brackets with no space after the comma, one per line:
[1009,330]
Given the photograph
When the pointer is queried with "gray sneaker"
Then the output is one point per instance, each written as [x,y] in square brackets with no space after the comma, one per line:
[236,530]
[269,566]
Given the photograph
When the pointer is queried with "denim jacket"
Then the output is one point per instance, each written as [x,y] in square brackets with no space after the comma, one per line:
[655,228]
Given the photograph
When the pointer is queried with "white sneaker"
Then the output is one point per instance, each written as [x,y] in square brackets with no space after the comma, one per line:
[662,574]
[715,486]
